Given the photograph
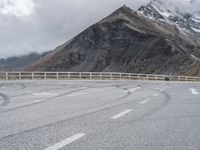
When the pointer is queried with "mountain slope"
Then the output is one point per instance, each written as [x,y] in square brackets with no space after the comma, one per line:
[126,41]
[17,63]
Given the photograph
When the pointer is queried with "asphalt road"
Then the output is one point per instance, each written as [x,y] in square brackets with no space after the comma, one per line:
[99,115]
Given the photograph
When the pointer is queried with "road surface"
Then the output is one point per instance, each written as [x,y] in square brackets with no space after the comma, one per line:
[99,115]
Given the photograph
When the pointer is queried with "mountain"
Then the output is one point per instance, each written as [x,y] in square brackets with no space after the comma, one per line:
[166,11]
[17,63]
[150,40]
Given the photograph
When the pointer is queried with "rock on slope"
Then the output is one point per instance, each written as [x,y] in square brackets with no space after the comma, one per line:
[127,41]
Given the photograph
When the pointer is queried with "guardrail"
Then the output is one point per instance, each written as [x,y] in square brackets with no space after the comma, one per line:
[90,76]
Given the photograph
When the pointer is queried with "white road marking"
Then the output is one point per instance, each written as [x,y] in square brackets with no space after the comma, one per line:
[121,114]
[65,142]
[155,95]
[194,91]
[133,89]
[77,94]
[38,101]
[145,101]
[43,94]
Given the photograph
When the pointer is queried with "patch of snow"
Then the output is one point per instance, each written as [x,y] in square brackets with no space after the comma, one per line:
[194,57]
[196,20]
[196,30]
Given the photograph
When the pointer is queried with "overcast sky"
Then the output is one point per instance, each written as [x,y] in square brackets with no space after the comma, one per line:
[42,25]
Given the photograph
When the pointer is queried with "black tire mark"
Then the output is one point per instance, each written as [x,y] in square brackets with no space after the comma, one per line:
[156,109]
[38,91]
[1,85]
[74,117]
[78,116]
[12,85]
[5,99]
[45,100]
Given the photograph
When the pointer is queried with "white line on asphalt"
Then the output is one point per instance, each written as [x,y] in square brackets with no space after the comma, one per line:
[155,95]
[145,101]
[133,89]
[121,114]
[65,142]
[194,91]
[43,94]
[77,94]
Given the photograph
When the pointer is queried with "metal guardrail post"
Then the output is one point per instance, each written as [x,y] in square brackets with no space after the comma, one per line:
[32,76]
[45,75]
[68,75]
[6,76]
[57,76]
[19,73]
[80,77]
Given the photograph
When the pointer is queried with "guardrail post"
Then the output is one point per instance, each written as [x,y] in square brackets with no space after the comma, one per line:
[45,75]
[20,76]
[101,76]
[129,76]
[120,76]
[90,76]
[32,76]
[80,75]
[68,75]
[110,76]
[6,76]
[57,76]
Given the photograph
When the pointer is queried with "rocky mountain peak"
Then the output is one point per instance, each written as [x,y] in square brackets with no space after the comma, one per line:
[145,41]
[170,12]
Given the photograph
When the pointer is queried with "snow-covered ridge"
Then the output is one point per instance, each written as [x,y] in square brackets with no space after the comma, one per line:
[185,14]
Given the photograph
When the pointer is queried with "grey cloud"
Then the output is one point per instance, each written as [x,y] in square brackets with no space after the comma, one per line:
[53,23]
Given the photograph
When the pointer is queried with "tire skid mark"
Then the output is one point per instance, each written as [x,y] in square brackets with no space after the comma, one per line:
[1,85]
[78,116]
[14,85]
[156,109]
[39,91]
[45,100]
[5,99]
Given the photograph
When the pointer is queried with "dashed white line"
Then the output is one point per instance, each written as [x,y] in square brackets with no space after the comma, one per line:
[121,114]
[145,101]
[133,89]
[155,95]
[65,142]
[77,94]
[43,94]
[194,91]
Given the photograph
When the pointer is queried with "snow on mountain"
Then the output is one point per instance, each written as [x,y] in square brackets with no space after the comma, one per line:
[184,14]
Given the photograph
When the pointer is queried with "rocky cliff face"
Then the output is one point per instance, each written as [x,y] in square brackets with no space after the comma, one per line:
[128,41]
